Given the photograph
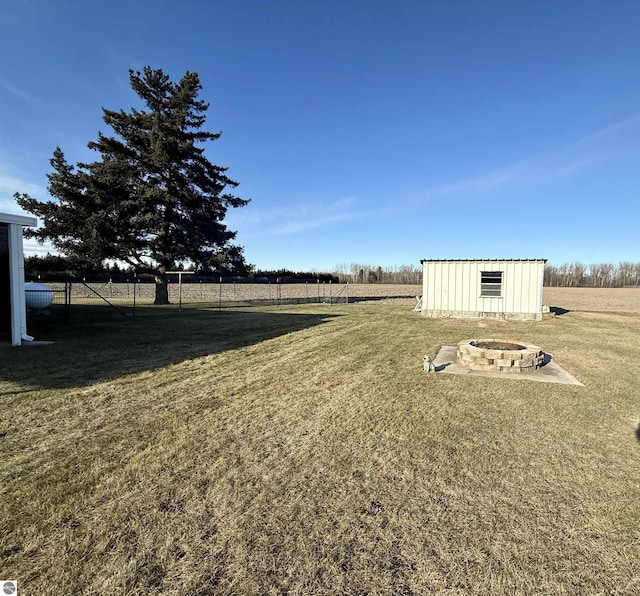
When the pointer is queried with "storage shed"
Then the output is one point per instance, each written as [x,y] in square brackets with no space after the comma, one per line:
[505,289]
[13,315]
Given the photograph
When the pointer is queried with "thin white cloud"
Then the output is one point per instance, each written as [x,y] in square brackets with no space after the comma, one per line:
[19,93]
[294,220]
[482,184]
[538,169]
[545,168]
[320,220]
[11,184]
[627,127]
[513,177]
[31,247]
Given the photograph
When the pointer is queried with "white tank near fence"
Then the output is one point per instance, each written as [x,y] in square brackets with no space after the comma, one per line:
[37,296]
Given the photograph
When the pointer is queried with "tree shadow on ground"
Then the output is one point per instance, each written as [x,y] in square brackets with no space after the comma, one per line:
[638,433]
[88,352]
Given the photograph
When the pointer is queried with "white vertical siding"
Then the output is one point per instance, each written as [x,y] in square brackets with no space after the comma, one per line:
[16,274]
[454,287]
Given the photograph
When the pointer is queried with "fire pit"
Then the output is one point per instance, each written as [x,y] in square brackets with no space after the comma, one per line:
[499,355]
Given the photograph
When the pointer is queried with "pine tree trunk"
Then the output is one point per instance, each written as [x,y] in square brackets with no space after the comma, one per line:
[162,289]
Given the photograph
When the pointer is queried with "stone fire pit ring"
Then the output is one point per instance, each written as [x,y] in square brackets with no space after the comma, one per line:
[499,355]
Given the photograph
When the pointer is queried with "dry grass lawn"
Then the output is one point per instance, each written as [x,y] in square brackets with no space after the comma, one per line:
[304,451]
[594,299]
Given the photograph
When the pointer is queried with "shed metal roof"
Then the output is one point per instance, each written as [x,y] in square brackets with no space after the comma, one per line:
[483,260]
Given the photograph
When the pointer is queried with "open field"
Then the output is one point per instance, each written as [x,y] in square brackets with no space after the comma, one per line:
[594,299]
[302,450]
[238,293]
[591,299]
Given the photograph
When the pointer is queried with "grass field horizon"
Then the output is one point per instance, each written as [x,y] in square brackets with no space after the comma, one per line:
[303,450]
[250,294]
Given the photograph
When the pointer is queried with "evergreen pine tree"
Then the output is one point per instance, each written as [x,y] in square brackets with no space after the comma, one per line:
[153,199]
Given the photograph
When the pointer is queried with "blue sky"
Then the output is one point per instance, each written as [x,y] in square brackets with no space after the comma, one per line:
[363,131]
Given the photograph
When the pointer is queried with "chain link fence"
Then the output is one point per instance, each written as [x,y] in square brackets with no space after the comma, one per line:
[132,298]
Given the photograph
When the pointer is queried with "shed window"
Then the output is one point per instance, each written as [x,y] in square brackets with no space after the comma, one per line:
[491,283]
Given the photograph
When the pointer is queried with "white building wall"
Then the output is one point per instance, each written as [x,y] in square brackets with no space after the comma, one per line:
[452,288]
[16,275]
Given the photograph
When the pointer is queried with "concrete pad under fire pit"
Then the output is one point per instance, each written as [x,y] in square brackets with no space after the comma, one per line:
[550,372]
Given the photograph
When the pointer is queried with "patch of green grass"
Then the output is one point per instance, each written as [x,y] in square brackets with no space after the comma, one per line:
[304,450]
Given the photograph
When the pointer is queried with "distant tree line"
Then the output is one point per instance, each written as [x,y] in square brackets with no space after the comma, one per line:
[594,275]
[286,275]
[375,274]
[60,268]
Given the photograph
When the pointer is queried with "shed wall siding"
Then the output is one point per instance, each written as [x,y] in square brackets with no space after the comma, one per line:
[452,288]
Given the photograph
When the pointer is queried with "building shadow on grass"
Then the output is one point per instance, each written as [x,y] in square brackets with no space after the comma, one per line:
[638,433]
[85,353]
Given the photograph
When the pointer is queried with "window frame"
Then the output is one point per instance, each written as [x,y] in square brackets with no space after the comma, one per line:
[490,283]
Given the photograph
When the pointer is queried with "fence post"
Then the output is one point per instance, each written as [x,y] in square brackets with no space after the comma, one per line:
[330,296]
[67,302]
[135,279]
[220,295]
[346,292]
[278,292]
[318,291]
